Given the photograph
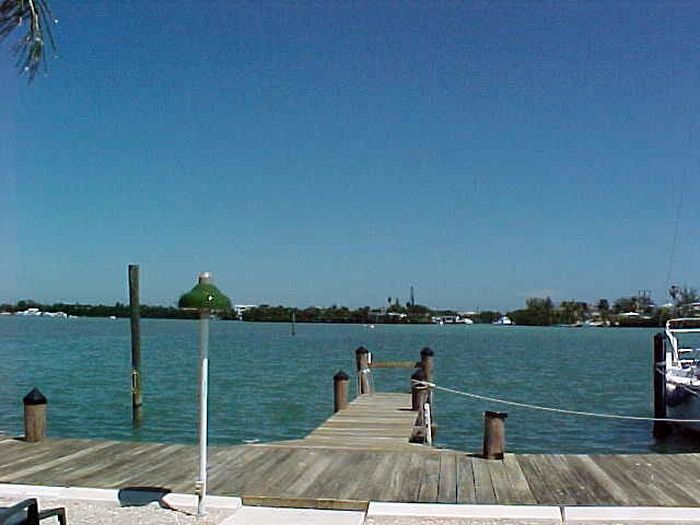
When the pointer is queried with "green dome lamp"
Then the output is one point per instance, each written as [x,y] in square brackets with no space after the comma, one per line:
[205,298]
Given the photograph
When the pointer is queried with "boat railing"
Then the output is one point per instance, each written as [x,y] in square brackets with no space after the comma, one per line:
[674,357]
[681,355]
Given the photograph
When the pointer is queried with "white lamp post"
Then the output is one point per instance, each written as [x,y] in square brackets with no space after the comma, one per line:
[204,297]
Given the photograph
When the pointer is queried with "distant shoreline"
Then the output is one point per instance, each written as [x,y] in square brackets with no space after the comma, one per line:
[538,312]
[368,325]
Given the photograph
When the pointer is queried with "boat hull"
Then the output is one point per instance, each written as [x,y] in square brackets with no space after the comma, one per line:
[682,403]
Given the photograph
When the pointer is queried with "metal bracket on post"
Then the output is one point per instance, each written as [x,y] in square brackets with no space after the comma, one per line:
[135,381]
[200,491]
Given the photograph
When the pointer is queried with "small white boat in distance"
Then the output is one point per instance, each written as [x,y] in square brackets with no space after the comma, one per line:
[682,370]
[504,320]
[451,319]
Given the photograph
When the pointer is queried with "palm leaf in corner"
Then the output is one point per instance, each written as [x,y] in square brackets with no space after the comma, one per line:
[30,49]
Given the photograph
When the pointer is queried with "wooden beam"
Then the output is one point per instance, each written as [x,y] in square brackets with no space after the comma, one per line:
[305,503]
[393,364]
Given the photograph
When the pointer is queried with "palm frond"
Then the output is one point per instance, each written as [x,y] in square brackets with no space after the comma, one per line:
[30,49]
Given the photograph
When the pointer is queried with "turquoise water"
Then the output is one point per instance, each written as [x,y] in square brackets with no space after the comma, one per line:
[266,385]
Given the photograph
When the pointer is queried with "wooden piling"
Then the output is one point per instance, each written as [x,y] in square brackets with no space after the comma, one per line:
[34,416]
[420,396]
[363,370]
[660,428]
[416,388]
[494,435]
[134,305]
[340,391]
[426,359]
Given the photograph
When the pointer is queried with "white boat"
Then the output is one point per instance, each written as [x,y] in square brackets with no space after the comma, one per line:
[451,319]
[503,320]
[682,370]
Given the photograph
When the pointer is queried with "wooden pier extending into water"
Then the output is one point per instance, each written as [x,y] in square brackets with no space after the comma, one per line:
[362,453]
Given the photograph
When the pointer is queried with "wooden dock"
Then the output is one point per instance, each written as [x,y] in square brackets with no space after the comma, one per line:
[377,421]
[360,454]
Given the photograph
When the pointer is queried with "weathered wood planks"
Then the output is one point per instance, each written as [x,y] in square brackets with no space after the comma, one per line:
[380,421]
[360,454]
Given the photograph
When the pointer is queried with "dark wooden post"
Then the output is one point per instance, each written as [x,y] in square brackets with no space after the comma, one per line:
[363,370]
[340,391]
[494,434]
[426,359]
[34,416]
[416,389]
[661,429]
[419,398]
[134,305]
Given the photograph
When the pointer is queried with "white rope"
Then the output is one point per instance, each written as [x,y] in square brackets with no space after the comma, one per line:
[550,409]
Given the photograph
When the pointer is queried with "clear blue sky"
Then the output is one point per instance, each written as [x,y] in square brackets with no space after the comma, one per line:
[483,152]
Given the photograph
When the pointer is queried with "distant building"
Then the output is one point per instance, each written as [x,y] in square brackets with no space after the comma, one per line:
[240,308]
[693,309]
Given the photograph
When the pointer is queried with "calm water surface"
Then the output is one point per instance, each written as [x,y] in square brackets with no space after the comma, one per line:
[266,385]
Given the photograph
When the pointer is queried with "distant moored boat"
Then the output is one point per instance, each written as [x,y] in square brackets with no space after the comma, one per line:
[682,370]
[504,320]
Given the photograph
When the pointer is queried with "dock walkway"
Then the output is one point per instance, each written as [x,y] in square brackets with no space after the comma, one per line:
[360,454]
[377,421]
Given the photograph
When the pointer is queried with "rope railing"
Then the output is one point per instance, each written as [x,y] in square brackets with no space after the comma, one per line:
[551,409]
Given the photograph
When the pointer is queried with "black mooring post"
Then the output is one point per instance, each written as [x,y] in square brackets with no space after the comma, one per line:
[34,416]
[661,429]
[340,391]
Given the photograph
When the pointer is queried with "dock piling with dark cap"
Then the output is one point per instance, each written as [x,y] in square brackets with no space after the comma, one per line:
[340,391]
[426,359]
[494,434]
[34,416]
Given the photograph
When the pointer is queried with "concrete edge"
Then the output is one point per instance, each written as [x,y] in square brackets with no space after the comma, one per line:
[284,515]
[173,499]
[439,510]
[655,514]
[416,510]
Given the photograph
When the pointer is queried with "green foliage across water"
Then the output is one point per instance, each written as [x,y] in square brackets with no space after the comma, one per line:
[102,310]
[633,311]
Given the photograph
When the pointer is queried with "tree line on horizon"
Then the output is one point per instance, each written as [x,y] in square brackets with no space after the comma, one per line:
[101,310]
[537,312]
[543,312]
